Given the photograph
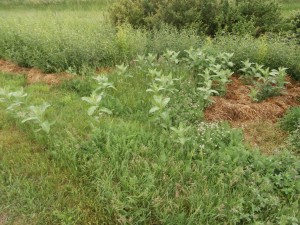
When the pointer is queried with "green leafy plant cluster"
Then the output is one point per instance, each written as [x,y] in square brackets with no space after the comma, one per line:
[95,100]
[290,120]
[206,16]
[291,123]
[161,86]
[270,51]
[294,139]
[175,97]
[296,25]
[210,75]
[129,170]
[212,72]
[266,83]
[15,103]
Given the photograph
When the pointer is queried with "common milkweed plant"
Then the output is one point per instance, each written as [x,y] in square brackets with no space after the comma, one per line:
[36,115]
[15,102]
[95,100]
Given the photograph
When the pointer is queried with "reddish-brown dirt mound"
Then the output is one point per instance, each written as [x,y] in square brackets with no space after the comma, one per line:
[236,106]
[33,75]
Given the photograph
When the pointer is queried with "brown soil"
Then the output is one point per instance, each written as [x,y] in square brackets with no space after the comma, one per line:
[236,106]
[33,75]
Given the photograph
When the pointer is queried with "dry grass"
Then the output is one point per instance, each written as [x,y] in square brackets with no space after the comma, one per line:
[265,135]
[236,105]
[33,75]
[256,119]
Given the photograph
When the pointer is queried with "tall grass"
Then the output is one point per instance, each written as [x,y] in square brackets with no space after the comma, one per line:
[269,51]
[58,41]
[55,4]
[288,6]
[75,40]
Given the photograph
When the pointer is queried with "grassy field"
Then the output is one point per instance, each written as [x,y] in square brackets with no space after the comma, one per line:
[125,168]
[289,6]
[130,145]
[57,5]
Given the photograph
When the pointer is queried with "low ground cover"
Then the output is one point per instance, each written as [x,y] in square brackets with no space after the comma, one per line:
[129,131]
[146,155]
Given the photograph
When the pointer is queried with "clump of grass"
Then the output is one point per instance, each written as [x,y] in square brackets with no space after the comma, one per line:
[290,120]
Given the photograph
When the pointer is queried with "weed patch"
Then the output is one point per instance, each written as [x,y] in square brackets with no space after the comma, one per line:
[147,154]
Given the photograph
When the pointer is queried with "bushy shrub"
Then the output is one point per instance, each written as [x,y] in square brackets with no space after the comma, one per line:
[265,14]
[206,16]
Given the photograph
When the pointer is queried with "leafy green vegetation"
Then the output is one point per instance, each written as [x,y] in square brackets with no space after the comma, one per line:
[127,166]
[291,122]
[267,84]
[129,144]
[78,42]
[291,119]
[271,52]
[206,16]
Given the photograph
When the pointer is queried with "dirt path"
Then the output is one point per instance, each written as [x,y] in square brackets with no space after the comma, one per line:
[33,75]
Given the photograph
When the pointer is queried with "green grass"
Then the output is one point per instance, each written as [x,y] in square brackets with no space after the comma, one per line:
[129,171]
[57,5]
[75,40]
[289,6]
[269,51]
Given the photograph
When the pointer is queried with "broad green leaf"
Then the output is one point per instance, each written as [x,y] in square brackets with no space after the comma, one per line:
[91,110]
[29,119]
[166,101]
[157,98]
[106,110]
[88,99]
[46,126]
[153,109]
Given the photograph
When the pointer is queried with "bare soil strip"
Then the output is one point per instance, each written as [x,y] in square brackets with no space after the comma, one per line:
[33,75]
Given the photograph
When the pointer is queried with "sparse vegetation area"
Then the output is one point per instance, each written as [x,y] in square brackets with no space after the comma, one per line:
[130,136]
